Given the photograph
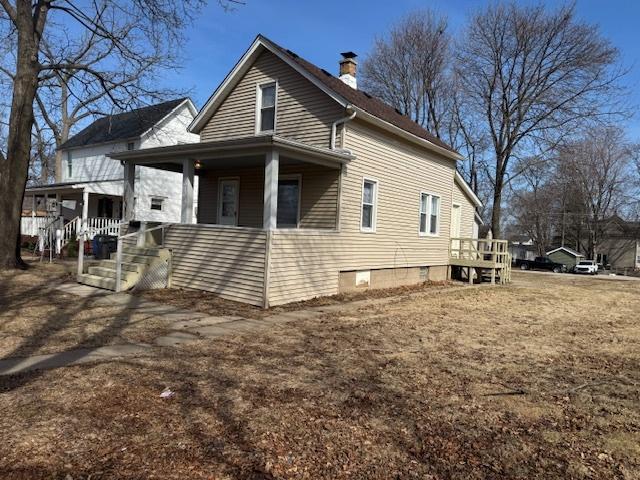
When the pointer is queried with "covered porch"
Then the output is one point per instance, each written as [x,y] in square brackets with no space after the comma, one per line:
[263,182]
[56,213]
[249,190]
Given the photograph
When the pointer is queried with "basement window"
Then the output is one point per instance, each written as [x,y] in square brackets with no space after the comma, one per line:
[157,203]
[266,118]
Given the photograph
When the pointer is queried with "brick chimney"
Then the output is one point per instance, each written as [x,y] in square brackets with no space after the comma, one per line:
[348,66]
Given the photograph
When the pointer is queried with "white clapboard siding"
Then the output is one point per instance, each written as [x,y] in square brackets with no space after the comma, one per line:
[304,113]
[307,264]
[226,260]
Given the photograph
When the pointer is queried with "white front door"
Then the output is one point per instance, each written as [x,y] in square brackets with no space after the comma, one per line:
[456,218]
[228,202]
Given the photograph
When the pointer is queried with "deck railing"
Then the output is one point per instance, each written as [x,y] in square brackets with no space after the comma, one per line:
[482,253]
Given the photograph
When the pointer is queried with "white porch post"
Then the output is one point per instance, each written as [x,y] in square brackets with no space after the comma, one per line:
[85,207]
[58,206]
[34,206]
[81,231]
[271,168]
[188,171]
[128,196]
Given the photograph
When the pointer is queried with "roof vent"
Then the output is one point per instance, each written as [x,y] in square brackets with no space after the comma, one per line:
[348,66]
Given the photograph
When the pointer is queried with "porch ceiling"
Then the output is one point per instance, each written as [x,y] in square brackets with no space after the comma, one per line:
[243,152]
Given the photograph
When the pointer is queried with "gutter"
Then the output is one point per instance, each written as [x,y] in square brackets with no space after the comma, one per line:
[342,121]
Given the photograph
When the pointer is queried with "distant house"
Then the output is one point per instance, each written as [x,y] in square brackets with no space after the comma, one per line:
[522,247]
[620,244]
[566,256]
[308,186]
[88,190]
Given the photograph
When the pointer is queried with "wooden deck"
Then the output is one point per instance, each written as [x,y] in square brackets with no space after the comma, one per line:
[484,257]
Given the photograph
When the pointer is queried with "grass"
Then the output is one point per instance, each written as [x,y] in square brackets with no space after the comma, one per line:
[539,379]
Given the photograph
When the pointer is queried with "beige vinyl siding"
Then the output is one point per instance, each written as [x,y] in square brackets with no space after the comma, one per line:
[306,264]
[467,217]
[250,196]
[318,203]
[225,260]
[303,113]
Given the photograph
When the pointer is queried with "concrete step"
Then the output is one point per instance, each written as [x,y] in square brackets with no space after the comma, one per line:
[101,282]
[129,276]
[131,267]
[128,258]
[153,252]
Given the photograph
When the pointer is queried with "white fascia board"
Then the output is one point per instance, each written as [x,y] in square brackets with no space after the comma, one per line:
[245,63]
[238,71]
[467,189]
[190,106]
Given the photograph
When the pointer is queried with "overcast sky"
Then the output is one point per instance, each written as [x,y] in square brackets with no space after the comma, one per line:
[320,30]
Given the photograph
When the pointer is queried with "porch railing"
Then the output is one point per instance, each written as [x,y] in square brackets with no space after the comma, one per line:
[31,225]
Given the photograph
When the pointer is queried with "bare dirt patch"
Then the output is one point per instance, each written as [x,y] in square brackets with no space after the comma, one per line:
[535,380]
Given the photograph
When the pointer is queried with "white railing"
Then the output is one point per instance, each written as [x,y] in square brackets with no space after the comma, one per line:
[105,226]
[31,225]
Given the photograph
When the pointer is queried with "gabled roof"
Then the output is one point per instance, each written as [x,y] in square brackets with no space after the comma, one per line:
[367,107]
[125,126]
[566,249]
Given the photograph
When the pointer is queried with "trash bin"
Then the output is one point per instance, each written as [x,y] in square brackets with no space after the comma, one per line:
[103,246]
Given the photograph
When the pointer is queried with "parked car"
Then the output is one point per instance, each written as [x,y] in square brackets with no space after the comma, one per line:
[541,263]
[586,266]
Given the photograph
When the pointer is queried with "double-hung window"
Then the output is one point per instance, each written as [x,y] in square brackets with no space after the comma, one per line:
[69,165]
[266,107]
[369,205]
[429,214]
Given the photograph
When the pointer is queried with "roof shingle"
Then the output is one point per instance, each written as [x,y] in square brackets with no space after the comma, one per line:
[122,126]
[363,100]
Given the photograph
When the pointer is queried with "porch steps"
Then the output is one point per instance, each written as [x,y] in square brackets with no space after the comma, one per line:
[135,262]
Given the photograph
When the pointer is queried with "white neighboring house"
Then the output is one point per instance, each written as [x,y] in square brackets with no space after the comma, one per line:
[89,184]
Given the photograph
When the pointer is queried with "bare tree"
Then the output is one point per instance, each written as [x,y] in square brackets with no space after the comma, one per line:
[133,34]
[408,69]
[533,74]
[535,201]
[598,167]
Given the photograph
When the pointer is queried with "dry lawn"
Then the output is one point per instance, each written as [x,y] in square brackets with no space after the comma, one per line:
[536,380]
[35,318]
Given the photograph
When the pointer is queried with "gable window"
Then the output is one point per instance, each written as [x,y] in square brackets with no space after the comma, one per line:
[157,203]
[429,214]
[69,165]
[288,215]
[130,146]
[369,205]
[266,121]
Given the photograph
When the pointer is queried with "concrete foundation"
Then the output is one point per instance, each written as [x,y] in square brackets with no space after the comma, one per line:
[390,277]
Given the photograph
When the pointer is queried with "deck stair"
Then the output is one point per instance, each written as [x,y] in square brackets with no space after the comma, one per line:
[136,262]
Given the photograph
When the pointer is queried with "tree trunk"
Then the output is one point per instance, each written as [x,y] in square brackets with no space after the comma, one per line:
[496,211]
[15,168]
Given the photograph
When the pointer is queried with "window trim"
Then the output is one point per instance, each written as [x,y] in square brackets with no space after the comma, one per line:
[292,176]
[69,165]
[374,214]
[428,233]
[259,87]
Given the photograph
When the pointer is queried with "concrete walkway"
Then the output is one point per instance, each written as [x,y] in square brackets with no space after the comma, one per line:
[184,326]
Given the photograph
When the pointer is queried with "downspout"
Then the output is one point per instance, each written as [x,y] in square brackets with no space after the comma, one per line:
[334,125]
